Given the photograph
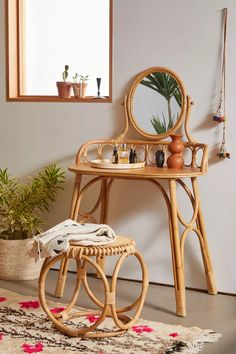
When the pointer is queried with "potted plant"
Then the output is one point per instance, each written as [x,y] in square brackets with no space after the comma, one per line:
[21,206]
[63,87]
[83,85]
[76,85]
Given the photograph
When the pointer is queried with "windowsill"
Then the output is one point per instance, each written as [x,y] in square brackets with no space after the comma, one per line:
[88,99]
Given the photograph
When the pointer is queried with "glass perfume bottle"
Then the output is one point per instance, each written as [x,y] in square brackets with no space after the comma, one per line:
[131,153]
[115,155]
[135,158]
[123,154]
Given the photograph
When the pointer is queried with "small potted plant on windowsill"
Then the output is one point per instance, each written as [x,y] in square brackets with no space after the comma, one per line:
[21,206]
[64,88]
[83,85]
[76,86]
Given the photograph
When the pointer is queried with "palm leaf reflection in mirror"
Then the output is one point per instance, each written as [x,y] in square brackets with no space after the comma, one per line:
[168,87]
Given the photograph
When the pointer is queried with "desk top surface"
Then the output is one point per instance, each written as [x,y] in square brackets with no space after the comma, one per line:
[147,172]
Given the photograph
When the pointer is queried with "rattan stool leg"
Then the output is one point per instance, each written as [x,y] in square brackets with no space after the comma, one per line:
[65,315]
[107,308]
[138,304]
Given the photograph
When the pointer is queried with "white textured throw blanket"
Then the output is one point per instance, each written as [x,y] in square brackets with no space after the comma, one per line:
[56,240]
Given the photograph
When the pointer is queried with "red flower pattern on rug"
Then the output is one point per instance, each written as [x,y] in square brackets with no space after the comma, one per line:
[57,309]
[42,338]
[92,318]
[141,329]
[29,348]
[29,304]
[174,334]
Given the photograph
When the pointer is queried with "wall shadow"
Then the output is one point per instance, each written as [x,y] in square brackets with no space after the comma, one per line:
[213,158]
[206,124]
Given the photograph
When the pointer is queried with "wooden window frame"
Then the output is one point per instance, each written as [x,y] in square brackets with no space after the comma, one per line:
[14,58]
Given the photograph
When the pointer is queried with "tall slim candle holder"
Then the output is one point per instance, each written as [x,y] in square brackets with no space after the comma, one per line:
[98,85]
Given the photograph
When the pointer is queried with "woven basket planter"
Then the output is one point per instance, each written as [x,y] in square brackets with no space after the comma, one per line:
[15,263]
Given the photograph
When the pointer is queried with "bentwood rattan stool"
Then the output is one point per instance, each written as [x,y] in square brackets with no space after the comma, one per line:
[123,247]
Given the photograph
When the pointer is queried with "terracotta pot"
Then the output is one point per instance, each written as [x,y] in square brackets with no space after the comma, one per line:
[83,88]
[176,148]
[15,263]
[76,89]
[64,89]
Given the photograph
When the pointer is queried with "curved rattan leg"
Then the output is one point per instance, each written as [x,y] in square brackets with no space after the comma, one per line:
[91,294]
[211,284]
[138,304]
[108,301]
[49,262]
[81,270]
[65,315]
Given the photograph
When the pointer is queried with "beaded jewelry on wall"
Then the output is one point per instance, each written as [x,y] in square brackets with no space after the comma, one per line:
[220,115]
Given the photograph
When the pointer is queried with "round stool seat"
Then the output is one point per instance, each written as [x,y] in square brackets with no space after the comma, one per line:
[120,245]
[123,247]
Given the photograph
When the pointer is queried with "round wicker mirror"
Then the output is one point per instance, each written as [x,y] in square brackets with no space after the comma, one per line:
[156,103]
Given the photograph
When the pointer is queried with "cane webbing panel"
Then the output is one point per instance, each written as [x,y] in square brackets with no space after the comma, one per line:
[120,245]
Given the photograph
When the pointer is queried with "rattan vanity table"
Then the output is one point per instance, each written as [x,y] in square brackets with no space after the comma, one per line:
[138,101]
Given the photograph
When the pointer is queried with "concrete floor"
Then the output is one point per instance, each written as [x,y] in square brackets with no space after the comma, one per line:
[217,312]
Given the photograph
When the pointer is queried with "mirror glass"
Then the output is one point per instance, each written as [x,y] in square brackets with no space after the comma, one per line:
[157,102]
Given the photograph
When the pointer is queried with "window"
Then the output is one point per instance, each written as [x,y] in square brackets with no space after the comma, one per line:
[45,35]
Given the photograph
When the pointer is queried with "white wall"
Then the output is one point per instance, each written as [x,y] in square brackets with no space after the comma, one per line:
[183,35]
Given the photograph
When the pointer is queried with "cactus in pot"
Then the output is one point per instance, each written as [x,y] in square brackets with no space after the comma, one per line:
[64,87]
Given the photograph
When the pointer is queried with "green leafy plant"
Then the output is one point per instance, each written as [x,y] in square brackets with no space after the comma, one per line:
[75,78]
[83,79]
[65,73]
[161,126]
[22,204]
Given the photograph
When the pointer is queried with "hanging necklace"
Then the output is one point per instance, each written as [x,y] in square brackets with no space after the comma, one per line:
[220,115]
